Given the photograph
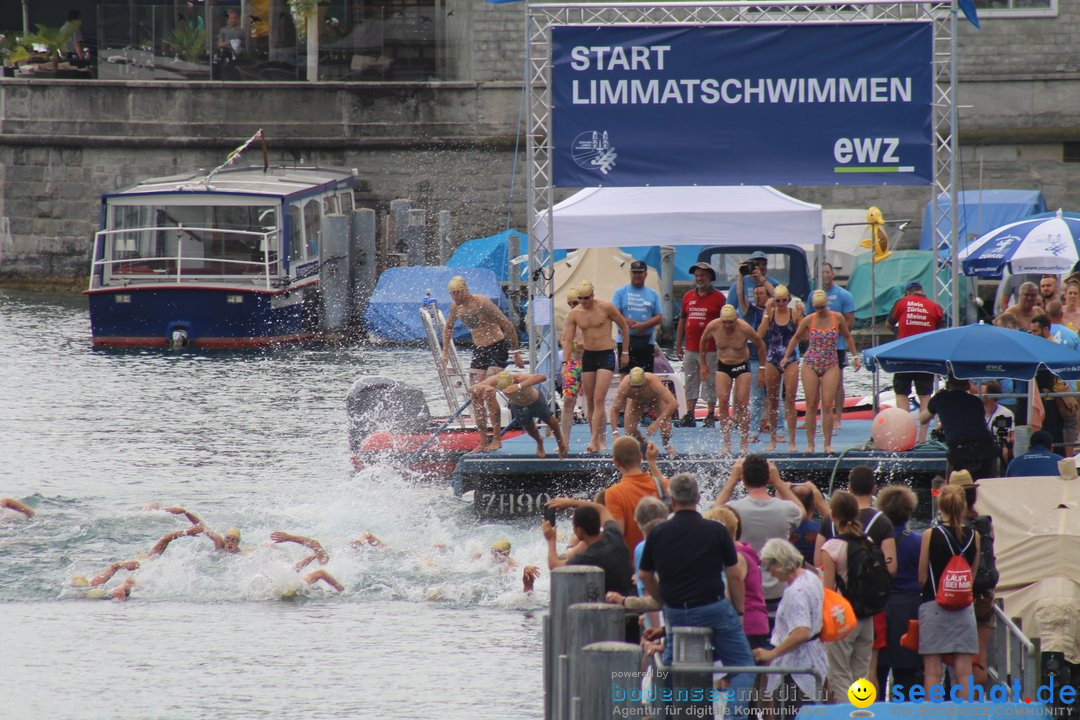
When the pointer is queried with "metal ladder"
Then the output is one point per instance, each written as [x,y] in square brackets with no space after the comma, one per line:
[454,380]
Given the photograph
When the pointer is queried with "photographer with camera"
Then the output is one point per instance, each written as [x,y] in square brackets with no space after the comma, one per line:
[999,419]
[753,272]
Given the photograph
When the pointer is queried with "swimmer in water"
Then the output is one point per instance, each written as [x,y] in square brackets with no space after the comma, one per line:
[317,551]
[167,538]
[366,539]
[13,504]
[527,405]
[96,592]
[493,336]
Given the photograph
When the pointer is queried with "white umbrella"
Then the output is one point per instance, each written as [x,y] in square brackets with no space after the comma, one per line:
[1041,244]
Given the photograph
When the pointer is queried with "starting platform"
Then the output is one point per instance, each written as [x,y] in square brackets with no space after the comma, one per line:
[512,481]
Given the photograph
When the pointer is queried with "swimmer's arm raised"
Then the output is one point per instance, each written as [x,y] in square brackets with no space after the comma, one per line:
[13,504]
[314,545]
[105,575]
[163,543]
[192,517]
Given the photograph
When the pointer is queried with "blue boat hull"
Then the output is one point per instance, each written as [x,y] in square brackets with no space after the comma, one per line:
[222,317]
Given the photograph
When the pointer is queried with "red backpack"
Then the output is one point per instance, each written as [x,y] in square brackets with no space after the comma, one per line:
[954,589]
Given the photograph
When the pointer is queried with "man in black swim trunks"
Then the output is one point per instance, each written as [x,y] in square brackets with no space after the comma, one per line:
[493,336]
[732,336]
[598,362]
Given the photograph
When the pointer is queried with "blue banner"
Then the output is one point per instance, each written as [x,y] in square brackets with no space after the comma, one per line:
[784,104]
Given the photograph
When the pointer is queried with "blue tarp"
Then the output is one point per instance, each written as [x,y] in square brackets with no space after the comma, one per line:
[490,252]
[983,211]
[393,312]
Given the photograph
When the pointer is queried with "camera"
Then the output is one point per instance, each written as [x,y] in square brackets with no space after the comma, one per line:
[549,515]
[746,267]
[1002,426]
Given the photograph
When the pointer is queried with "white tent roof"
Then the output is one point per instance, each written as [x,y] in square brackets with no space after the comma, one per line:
[716,215]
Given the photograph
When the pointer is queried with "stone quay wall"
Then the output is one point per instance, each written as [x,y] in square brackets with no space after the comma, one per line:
[451,145]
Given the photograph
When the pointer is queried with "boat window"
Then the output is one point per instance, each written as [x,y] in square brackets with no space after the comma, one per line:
[330,205]
[296,234]
[312,222]
[346,202]
[203,239]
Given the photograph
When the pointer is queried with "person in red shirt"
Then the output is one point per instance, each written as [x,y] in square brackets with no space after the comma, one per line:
[914,314]
[700,306]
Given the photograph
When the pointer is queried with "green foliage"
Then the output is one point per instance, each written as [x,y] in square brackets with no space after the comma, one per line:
[12,51]
[188,42]
[55,40]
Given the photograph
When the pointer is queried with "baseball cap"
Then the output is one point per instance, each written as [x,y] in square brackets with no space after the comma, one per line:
[702,266]
[912,285]
[638,265]
[758,255]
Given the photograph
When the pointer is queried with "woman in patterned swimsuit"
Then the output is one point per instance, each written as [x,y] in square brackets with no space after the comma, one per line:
[777,328]
[820,373]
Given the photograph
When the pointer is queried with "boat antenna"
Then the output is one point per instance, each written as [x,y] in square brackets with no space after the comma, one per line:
[235,155]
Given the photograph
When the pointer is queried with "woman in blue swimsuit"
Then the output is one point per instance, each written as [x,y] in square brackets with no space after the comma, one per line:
[777,328]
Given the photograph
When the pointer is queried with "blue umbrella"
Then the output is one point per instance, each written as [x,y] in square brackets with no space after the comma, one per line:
[1044,243]
[976,351]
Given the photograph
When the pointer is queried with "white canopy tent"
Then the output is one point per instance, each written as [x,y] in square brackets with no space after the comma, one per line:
[714,215]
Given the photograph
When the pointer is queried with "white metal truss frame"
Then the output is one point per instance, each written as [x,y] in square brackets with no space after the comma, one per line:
[542,16]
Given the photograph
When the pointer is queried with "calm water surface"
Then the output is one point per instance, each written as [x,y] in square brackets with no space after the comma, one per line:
[257,441]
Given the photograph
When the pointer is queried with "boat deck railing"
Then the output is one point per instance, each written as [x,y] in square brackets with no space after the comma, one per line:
[1013,659]
[201,255]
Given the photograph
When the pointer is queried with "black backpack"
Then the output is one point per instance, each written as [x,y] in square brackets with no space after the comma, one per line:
[869,583]
[986,575]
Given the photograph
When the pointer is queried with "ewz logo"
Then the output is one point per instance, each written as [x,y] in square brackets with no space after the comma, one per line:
[868,155]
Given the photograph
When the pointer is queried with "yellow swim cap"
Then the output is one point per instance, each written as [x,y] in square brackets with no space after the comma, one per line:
[571,295]
[233,533]
[457,283]
[781,292]
[95,594]
[819,299]
[502,545]
[80,581]
[585,289]
[504,380]
[637,377]
[728,313]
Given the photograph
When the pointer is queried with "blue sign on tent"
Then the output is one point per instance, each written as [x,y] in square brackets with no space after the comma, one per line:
[802,104]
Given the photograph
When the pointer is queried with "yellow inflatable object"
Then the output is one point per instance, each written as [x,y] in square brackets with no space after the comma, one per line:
[878,241]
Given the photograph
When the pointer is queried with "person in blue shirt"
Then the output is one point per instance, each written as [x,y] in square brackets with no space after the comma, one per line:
[840,301]
[1059,331]
[1039,460]
[640,306]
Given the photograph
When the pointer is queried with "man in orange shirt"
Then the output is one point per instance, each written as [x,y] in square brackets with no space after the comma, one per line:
[622,498]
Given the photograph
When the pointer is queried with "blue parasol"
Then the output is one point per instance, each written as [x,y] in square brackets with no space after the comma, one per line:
[976,351]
